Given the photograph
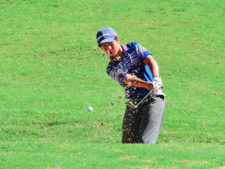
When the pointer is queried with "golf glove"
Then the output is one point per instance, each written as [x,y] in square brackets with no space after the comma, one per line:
[158,81]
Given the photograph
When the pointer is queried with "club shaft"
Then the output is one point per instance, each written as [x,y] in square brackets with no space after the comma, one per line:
[145,97]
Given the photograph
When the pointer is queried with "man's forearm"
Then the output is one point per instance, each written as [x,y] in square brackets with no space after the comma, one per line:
[137,82]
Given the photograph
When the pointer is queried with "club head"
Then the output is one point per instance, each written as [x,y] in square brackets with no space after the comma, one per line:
[131,105]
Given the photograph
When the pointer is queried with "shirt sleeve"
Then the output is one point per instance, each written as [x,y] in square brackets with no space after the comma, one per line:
[116,74]
[141,51]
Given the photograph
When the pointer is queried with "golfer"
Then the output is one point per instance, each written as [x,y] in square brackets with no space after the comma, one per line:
[134,68]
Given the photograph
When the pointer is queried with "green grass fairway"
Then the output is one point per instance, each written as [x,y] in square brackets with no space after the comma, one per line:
[101,156]
[51,70]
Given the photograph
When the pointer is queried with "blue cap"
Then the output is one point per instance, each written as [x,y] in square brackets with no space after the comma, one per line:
[104,35]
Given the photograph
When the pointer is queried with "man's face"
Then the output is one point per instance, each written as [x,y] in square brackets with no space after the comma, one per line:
[111,48]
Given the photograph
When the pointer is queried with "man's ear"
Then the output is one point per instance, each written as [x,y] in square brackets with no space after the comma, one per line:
[117,40]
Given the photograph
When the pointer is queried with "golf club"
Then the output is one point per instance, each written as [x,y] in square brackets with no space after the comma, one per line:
[132,105]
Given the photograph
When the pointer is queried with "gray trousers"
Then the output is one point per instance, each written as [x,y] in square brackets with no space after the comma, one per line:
[143,124]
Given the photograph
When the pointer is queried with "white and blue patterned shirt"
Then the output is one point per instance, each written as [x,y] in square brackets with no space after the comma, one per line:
[131,63]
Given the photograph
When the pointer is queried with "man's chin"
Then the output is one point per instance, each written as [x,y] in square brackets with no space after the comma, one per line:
[113,54]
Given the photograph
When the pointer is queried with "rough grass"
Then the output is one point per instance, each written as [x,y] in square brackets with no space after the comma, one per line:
[51,71]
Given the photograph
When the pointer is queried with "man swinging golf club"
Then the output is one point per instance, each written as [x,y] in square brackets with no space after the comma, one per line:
[134,68]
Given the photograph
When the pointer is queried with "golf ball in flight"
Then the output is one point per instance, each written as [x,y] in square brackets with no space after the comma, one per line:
[90,109]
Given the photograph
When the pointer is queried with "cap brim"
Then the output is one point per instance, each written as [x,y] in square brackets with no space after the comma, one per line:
[106,40]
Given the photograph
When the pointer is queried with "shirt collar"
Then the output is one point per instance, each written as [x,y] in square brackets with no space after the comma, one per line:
[125,48]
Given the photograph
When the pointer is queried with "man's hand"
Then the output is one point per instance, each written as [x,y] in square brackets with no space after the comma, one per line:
[152,85]
[158,81]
